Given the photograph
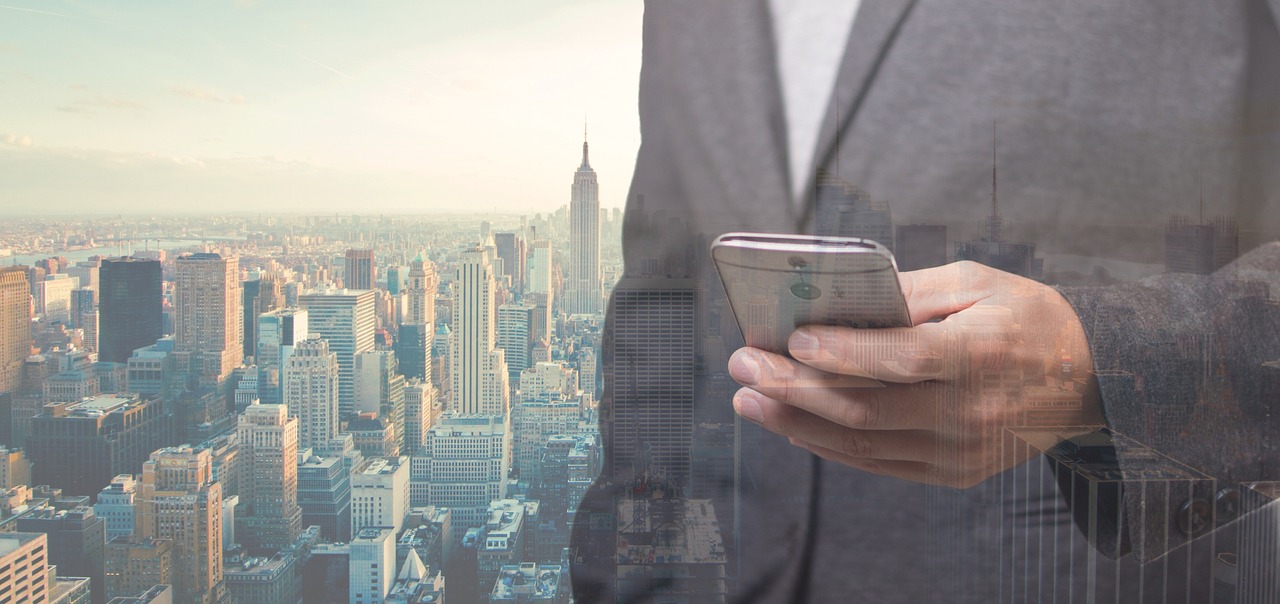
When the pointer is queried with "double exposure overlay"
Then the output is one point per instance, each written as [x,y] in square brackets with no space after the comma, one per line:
[579,301]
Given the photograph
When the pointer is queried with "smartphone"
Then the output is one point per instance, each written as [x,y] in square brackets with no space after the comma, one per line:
[777,283]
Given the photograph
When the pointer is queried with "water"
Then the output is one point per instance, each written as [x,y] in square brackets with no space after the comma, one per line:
[124,249]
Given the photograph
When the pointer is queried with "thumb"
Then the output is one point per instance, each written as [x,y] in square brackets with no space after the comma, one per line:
[934,293]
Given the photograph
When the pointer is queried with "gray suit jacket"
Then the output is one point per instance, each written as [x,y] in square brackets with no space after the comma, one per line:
[1113,116]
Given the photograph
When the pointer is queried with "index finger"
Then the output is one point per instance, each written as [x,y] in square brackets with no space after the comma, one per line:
[898,354]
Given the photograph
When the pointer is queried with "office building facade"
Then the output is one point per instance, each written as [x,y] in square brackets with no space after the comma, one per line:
[207,313]
[80,447]
[15,326]
[270,519]
[360,273]
[346,319]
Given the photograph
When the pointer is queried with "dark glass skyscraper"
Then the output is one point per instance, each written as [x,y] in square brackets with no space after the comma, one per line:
[511,250]
[129,307]
[413,351]
[250,308]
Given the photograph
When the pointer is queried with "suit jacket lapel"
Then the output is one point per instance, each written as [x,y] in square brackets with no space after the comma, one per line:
[738,108]
[874,31]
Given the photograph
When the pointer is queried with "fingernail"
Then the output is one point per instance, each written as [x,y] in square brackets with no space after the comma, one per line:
[745,370]
[802,344]
[748,407]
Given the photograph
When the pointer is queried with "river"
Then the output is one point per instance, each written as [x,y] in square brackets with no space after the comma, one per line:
[107,250]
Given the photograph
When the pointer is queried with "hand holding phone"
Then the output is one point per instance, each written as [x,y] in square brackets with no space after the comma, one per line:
[777,283]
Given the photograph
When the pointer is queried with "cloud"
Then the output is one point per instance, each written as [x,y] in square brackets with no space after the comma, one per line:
[17,140]
[81,109]
[36,11]
[204,94]
[90,106]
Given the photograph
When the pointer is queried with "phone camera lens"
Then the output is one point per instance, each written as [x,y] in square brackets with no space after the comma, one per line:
[805,291]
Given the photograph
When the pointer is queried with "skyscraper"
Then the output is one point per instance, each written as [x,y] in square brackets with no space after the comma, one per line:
[360,270]
[583,292]
[79,447]
[992,250]
[477,367]
[539,267]
[130,316]
[115,505]
[207,320]
[395,279]
[310,381]
[324,494]
[511,250]
[76,543]
[259,296]
[346,319]
[463,466]
[420,414]
[380,389]
[180,500]
[1200,248]
[372,568]
[270,518]
[15,326]
[421,288]
[650,361]
[515,337]
[28,551]
[134,566]
[84,316]
[53,297]
[278,331]
[413,350]
[380,493]
[845,210]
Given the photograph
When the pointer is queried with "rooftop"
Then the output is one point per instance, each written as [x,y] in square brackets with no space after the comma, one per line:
[669,531]
[381,465]
[200,256]
[101,405]
[12,541]
[528,580]
[254,568]
[371,533]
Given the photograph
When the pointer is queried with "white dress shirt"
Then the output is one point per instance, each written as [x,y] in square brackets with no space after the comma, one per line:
[810,37]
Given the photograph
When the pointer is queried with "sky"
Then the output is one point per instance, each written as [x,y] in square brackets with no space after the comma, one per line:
[407,106]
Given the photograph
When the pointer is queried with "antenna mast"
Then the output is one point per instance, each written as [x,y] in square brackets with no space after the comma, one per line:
[994,222]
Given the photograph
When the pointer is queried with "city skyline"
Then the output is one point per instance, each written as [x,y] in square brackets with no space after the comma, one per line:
[288,109]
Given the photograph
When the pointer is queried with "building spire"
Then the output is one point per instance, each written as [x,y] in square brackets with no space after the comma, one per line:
[994,222]
[586,165]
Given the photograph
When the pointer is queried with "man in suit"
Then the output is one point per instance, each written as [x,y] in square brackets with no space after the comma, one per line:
[952,483]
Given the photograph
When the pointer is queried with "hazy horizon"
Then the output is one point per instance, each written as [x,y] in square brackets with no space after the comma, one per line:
[318,108]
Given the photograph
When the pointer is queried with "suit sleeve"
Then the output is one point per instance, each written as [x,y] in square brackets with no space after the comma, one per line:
[1188,370]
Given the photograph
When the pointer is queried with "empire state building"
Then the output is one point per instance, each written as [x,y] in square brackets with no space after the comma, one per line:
[582,295]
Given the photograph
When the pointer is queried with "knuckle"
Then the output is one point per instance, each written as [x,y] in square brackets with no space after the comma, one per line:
[858,414]
[856,444]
